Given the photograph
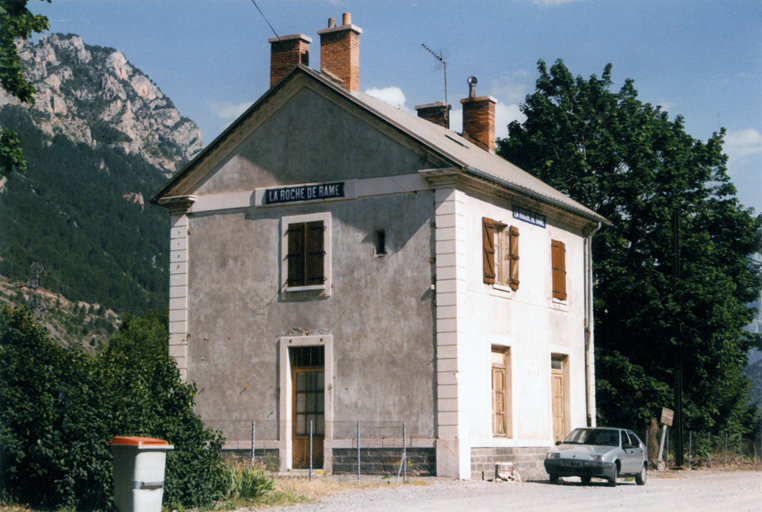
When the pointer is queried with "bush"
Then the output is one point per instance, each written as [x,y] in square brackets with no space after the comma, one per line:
[248,482]
[59,408]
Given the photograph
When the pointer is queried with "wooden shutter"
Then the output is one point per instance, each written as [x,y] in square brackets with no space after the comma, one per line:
[514,264]
[488,249]
[296,254]
[498,400]
[558,262]
[315,261]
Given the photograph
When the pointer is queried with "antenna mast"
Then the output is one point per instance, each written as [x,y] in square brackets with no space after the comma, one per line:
[441,59]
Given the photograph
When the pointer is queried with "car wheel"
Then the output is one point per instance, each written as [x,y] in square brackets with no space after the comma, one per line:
[612,481]
[553,478]
[585,480]
[640,478]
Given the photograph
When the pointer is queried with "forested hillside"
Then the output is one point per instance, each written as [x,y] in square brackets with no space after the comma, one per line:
[99,141]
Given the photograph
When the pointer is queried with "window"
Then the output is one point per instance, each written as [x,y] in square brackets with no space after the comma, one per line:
[501,396]
[379,242]
[305,244]
[500,246]
[558,264]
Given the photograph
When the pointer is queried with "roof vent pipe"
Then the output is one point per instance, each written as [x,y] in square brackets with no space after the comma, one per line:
[472,81]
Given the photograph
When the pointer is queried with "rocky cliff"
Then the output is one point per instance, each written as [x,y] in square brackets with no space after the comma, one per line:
[94,95]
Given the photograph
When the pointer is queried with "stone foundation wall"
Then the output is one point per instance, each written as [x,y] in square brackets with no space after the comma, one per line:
[385,461]
[528,462]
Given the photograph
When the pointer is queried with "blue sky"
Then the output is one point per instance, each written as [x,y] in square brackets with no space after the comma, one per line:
[697,58]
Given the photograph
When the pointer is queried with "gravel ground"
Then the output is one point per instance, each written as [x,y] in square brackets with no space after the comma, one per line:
[720,491]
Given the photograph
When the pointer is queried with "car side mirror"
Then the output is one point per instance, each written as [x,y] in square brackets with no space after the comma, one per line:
[558,442]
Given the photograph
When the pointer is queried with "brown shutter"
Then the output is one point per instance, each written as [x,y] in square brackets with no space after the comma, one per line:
[315,272]
[558,261]
[488,249]
[514,234]
[296,254]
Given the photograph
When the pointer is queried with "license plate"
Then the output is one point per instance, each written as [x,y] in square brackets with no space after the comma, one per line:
[573,464]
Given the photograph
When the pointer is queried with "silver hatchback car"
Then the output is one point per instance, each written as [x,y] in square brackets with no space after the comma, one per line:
[606,453]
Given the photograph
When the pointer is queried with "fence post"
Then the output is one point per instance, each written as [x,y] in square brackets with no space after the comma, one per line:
[690,447]
[253,441]
[404,449]
[358,452]
[740,447]
[310,450]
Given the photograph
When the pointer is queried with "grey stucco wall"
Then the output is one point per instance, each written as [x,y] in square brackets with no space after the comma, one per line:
[380,311]
[312,139]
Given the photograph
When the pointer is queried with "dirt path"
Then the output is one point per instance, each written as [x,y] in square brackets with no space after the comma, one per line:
[736,491]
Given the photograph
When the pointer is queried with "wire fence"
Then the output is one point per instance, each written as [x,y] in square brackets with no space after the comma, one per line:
[705,449]
[361,447]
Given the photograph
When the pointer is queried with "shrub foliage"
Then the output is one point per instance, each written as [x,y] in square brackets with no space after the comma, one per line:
[59,408]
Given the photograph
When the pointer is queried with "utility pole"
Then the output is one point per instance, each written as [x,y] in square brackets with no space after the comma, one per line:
[36,301]
[679,456]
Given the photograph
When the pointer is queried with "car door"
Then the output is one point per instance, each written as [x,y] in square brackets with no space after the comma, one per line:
[632,454]
[639,450]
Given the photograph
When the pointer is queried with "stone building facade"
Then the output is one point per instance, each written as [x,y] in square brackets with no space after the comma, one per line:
[336,259]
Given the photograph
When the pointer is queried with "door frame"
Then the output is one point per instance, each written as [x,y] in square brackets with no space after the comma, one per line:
[286,393]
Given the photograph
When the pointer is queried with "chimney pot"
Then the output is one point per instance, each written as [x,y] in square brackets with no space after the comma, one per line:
[340,53]
[331,22]
[346,19]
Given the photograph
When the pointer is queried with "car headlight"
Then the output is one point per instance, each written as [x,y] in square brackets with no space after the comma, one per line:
[554,455]
[597,458]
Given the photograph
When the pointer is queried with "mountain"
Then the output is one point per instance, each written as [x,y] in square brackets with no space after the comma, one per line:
[94,95]
[100,139]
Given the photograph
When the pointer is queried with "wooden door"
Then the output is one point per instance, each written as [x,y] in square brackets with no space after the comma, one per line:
[558,386]
[308,406]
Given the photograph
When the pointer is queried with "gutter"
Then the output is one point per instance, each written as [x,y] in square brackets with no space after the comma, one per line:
[590,329]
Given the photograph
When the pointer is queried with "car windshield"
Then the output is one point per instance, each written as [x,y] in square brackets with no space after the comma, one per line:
[596,436]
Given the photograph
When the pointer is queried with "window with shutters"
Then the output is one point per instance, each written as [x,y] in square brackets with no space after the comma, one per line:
[500,248]
[558,264]
[501,395]
[306,250]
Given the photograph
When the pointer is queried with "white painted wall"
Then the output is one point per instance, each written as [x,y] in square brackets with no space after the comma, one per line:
[528,321]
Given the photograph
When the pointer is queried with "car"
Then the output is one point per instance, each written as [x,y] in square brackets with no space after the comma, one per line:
[607,453]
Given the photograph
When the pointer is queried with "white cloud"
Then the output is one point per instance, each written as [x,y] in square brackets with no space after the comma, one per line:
[512,87]
[504,114]
[391,95]
[740,144]
[228,111]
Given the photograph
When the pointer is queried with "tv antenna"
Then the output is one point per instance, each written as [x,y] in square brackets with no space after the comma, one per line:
[441,59]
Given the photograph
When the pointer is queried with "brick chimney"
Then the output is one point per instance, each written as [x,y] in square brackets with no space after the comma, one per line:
[437,113]
[340,52]
[479,118]
[285,53]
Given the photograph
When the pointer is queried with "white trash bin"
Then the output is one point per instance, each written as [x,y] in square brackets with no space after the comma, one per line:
[139,464]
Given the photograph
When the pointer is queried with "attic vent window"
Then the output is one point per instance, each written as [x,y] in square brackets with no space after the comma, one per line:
[379,242]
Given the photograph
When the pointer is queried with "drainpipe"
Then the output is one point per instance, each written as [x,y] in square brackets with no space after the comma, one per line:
[589,329]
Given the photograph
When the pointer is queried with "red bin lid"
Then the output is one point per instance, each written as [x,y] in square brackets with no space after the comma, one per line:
[137,441]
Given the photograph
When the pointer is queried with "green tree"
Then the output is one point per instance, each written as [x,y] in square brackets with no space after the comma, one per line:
[631,163]
[15,22]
